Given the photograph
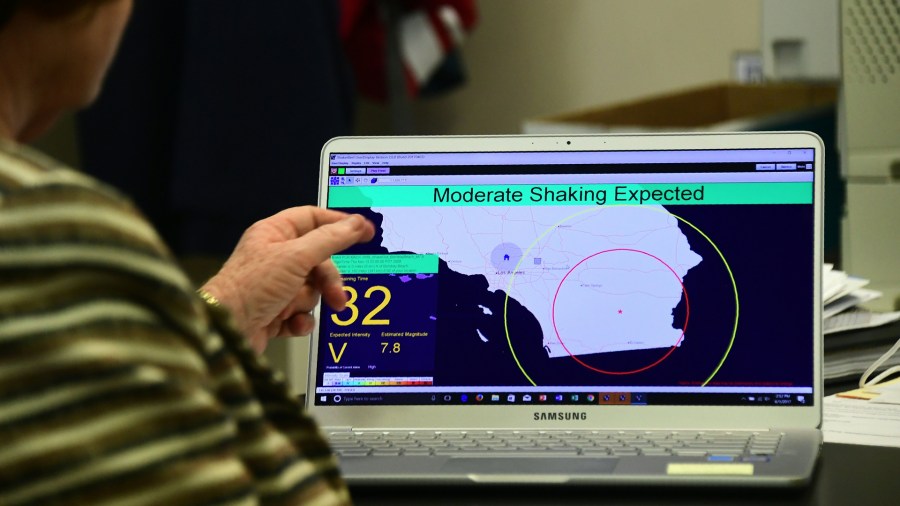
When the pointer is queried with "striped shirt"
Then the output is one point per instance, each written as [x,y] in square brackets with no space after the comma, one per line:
[118,385]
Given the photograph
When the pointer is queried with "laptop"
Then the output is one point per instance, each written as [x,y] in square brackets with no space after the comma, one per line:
[587,309]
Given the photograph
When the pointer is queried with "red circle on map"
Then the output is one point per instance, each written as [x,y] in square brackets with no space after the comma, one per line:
[641,369]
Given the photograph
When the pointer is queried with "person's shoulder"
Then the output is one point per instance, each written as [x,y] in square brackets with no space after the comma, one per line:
[22,167]
[26,171]
[32,183]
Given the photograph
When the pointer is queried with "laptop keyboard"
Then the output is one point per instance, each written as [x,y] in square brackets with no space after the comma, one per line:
[714,445]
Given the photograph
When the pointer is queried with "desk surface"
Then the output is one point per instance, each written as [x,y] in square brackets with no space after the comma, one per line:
[847,474]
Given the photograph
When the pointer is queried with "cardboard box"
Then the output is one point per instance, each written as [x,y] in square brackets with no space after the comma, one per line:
[716,107]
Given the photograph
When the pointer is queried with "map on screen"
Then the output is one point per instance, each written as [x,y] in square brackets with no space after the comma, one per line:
[597,279]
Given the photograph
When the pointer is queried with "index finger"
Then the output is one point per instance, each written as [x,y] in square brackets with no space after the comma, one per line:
[298,221]
[317,245]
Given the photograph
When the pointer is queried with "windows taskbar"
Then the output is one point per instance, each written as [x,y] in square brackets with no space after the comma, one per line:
[567,398]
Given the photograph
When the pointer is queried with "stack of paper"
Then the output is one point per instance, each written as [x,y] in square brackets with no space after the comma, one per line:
[854,337]
[843,294]
[867,416]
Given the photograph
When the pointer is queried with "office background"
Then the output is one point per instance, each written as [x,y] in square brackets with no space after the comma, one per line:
[527,59]
[540,57]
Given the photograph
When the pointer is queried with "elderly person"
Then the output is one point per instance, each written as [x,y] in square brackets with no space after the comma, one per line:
[119,383]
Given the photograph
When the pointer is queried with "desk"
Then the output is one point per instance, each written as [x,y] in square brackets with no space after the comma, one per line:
[847,474]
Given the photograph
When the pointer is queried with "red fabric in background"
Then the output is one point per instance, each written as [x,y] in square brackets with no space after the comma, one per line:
[362,33]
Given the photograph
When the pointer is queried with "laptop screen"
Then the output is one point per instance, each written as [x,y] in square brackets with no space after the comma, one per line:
[668,277]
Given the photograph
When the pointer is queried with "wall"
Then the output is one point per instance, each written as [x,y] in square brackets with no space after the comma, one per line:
[538,57]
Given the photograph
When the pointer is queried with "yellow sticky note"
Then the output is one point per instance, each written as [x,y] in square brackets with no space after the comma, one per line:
[711,468]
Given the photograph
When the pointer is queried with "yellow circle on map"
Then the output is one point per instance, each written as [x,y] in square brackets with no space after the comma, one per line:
[592,209]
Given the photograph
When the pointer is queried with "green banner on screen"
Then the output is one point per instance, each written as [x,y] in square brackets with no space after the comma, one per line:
[575,195]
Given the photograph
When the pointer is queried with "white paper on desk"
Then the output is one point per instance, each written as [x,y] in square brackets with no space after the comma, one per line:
[887,397]
[858,319]
[849,285]
[892,385]
[855,421]
[888,393]
[854,298]
[832,283]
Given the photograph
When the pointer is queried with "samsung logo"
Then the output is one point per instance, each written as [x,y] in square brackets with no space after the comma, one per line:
[582,415]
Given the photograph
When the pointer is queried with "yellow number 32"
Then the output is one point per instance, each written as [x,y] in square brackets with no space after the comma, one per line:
[369,319]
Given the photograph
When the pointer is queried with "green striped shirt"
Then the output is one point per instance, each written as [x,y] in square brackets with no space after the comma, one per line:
[118,385]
